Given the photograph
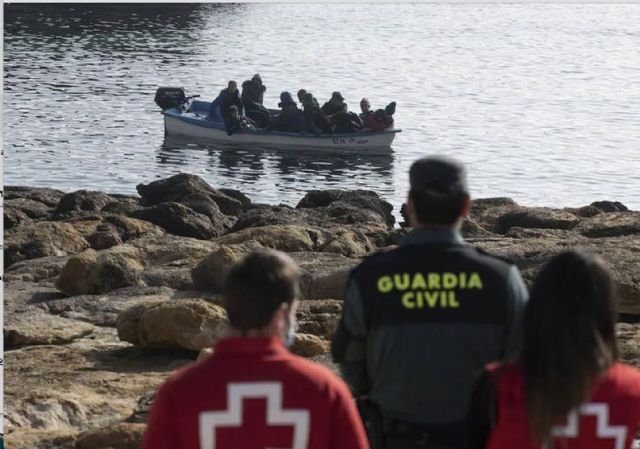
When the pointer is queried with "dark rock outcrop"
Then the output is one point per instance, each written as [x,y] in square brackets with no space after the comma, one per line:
[348,201]
[83,200]
[180,220]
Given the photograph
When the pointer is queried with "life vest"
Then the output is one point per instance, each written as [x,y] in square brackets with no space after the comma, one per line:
[608,420]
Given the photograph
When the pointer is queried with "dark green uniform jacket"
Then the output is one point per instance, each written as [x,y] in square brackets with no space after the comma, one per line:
[421,321]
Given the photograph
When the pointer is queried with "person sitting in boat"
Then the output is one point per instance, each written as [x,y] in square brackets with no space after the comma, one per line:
[381,119]
[301,94]
[335,104]
[365,107]
[236,121]
[290,119]
[219,108]
[346,122]
[252,96]
[314,119]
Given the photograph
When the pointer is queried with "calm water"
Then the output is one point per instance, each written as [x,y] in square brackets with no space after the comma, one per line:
[541,101]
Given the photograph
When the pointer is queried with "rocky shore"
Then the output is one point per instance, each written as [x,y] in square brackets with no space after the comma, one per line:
[105,295]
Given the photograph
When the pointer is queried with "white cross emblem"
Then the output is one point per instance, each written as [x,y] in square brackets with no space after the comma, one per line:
[298,419]
[603,428]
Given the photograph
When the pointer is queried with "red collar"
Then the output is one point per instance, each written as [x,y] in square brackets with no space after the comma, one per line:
[250,346]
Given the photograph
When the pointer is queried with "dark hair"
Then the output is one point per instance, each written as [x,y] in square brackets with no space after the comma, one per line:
[301,93]
[568,337]
[438,208]
[257,286]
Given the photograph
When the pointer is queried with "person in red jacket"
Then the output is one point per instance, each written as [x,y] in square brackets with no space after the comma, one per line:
[565,389]
[252,393]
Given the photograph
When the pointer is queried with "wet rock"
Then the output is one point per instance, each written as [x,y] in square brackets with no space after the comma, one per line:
[307,345]
[49,197]
[116,436]
[324,275]
[264,215]
[211,272]
[537,217]
[36,328]
[480,205]
[185,187]
[83,200]
[351,200]
[609,206]
[40,240]
[280,237]
[612,224]
[239,196]
[180,220]
[188,324]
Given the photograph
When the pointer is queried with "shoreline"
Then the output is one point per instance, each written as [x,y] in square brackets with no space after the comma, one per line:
[94,283]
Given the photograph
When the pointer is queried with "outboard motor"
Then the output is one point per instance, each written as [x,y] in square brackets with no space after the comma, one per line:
[170,97]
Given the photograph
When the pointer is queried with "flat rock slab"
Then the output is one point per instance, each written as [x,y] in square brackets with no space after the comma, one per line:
[611,225]
[38,328]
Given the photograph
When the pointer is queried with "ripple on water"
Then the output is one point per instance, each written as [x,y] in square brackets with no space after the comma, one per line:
[515,91]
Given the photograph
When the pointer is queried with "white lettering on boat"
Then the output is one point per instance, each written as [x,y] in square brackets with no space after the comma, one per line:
[352,140]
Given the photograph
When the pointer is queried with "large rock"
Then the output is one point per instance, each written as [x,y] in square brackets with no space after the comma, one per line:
[610,224]
[537,217]
[83,200]
[116,436]
[180,220]
[283,238]
[211,272]
[171,250]
[35,270]
[40,240]
[183,188]
[49,197]
[351,199]
[188,324]
[122,206]
[37,328]
[91,273]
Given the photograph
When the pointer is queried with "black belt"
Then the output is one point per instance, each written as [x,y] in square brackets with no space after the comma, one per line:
[449,434]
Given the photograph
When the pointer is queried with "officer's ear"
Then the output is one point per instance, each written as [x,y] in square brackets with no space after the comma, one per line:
[411,217]
[466,207]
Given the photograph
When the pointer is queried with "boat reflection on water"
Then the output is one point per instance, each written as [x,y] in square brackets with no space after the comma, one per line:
[280,176]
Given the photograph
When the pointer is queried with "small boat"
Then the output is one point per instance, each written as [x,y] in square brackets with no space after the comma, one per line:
[186,116]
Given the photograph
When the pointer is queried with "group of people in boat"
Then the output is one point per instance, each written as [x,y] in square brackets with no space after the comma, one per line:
[246,110]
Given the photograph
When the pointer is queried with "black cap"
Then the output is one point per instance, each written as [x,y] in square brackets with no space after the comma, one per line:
[438,174]
[337,95]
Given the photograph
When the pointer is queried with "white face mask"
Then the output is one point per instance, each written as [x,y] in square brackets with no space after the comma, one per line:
[290,335]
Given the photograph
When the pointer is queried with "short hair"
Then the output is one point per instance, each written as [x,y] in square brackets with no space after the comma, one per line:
[438,208]
[232,82]
[302,93]
[257,286]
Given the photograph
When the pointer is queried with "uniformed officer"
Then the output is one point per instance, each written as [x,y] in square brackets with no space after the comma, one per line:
[420,321]
[252,392]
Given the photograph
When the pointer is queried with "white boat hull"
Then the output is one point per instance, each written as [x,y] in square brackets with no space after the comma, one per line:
[188,125]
